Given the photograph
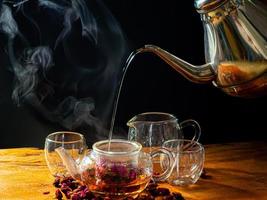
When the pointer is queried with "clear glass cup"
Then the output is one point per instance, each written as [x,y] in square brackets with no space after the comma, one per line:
[188,162]
[74,143]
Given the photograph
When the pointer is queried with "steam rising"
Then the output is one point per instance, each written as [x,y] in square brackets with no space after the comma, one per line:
[7,23]
[66,61]
[34,66]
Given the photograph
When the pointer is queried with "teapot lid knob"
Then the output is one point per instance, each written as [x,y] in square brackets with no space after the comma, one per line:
[203,6]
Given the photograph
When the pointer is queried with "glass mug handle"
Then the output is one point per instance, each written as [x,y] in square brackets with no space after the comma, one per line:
[195,125]
[164,175]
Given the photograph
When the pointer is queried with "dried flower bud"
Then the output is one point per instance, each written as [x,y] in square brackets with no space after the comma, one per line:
[57,182]
[178,196]
[163,191]
[75,197]
[169,197]
[204,174]
[58,194]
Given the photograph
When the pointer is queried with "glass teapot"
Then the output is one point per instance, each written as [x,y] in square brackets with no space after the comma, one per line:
[116,168]
[235,34]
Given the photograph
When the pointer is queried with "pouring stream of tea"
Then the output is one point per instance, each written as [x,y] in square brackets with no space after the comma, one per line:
[127,64]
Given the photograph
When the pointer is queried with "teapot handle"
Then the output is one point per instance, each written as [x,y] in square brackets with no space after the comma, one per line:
[196,127]
[163,176]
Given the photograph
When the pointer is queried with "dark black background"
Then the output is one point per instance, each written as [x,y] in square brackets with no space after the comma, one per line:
[150,84]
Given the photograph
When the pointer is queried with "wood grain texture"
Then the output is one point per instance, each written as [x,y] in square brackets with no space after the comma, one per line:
[237,172]
[234,172]
[24,175]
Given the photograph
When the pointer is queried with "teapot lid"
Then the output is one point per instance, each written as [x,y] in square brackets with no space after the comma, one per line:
[203,6]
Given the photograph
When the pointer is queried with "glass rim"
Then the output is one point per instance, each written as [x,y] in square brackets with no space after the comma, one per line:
[199,146]
[172,118]
[80,139]
[136,150]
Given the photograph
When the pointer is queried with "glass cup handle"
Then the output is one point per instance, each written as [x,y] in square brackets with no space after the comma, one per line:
[163,176]
[195,125]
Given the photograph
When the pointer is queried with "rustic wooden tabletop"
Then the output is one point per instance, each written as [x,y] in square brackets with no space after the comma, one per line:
[236,171]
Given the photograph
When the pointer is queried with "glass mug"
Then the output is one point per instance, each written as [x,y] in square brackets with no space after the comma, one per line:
[188,161]
[74,143]
[152,129]
[119,168]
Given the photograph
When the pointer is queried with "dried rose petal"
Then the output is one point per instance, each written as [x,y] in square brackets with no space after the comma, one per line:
[68,195]
[82,194]
[75,197]
[82,187]
[154,192]
[89,194]
[56,182]
[204,174]
[65,189]
[58,194]
[145,196]
[163,191]
[178,196]
[152,186]
[132,174]
[169,197]
[47,192]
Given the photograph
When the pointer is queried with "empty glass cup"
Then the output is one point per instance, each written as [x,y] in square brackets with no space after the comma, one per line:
[188,161]
[74,143]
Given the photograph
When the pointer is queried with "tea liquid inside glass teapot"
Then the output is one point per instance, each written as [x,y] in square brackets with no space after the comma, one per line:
[235,36]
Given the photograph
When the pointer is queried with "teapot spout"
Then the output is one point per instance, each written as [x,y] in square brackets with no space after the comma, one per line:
[69,163]
[197,74]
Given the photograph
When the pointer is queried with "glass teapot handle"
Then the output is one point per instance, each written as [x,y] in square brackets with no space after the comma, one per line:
[163,176]
[196,127]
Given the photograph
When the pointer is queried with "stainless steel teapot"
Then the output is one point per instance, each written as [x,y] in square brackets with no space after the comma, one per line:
[235,36]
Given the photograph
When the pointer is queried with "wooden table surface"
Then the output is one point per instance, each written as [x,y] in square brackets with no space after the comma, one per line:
[235,171]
